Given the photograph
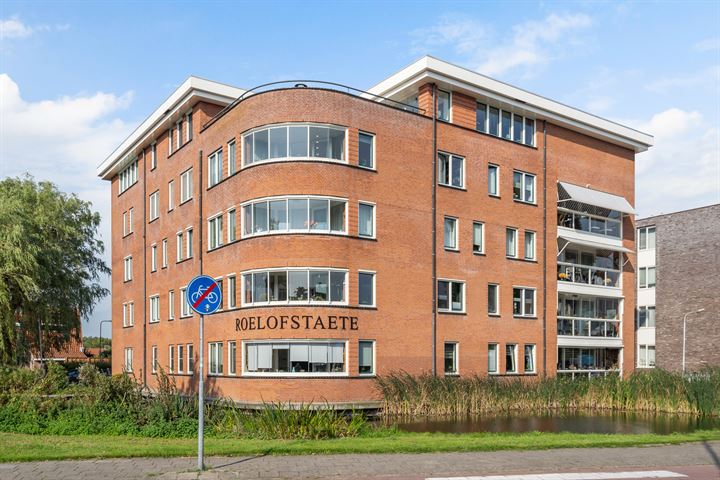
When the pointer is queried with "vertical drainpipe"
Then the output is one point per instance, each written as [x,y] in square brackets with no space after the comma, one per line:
[144,244]
[434,233]
[544,261]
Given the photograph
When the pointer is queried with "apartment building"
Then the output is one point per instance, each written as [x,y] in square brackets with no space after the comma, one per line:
[441,221]
[678,308]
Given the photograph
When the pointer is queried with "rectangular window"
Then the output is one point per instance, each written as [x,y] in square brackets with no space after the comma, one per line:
[184,303]
[646,237]
[155,309]
[450,296]
[232,225]
[128,270]
[179,136]
[232,292]
[481,117]
[646,317]
[189,129]
[189,238]
[494,121]
[128,367]
[366,220]
[190,359]
[186,186]
[154,206]
[511,242]
[232,160]
[215,238]
[180,250]
[171,359]
[529,365]
[518,128]
[312,215]
[529,245]
[523,187]
[506,125]
[647,277]
[171,132]
[492,358]
[510,358]
[164,253]
[180,358]
[478,238]
[215,173]
[295,358]
[154,359]
[443,107]
[171,195]
[493,299]
[222,293]
[128,314]
[128,177]
[366,150]
[153,258]
[529,132]
[171,304]
[493,180]
[523,302]
[125,224]
[215,358]
[297,285]
[366,357]
[153,156]
[232,358]
[451,171]
[366,289]
[451,233]
[451,364]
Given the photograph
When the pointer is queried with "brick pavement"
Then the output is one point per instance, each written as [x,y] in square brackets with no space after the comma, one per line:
[386,466]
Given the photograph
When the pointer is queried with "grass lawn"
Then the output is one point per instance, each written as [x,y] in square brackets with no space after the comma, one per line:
[21,447]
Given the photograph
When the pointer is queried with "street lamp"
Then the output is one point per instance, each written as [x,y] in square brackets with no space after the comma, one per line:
[684,334]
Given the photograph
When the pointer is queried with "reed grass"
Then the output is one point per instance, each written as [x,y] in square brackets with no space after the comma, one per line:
[654,391]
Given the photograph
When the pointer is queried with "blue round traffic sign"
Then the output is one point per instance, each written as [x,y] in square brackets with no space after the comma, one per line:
[204,295]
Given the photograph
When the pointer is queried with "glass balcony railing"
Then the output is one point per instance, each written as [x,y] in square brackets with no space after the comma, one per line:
[589,223]
[587,327]
[604,277]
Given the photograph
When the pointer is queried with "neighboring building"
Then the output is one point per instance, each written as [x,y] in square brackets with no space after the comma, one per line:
[359,234]
[70,350]
[678,274]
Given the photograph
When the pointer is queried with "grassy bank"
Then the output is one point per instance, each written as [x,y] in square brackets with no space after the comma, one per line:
[655,391]
[20,447]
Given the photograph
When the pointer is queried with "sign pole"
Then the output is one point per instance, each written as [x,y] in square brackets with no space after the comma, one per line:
[201,399]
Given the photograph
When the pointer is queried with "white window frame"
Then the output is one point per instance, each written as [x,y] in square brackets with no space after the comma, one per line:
[374,218]
[171,358]
[497,359]
[128,268]
[482,238]
[171,195]
[534,359]
[532,252]
[646,284]
[232,291]
[128,311]
[153,257]
[155,308]
[232,365]
[171,304]
[186,186]
[451,159]
[372,150]
[525,176]
[154,205]
[128,364]
[185,310]
[304,158]
[455,235]
[179,246]
[344,373]
[522,313]
[497,179]
[215,167]
[451,282]
[189,353]
[188,126]
[456,358]
[214,351]
[374,288]
[189,243]
[515,359]
[153,155]
[164,253]
[215,229]
[180,349]
[373,359]
[154,358]
[309,301]
[232,225]
[513,254]
[450,109]
[128,176]
[288,230]
[646,232]
[497,299]
[232,157]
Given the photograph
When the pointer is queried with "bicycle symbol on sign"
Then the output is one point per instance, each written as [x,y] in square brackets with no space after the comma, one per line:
[211,297]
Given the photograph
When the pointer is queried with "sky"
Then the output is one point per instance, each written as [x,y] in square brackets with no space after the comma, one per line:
[77,77]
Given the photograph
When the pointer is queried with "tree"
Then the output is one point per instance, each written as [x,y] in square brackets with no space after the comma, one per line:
[50,265]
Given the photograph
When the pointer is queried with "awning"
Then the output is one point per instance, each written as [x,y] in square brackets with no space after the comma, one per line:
[597,198]
[596,245]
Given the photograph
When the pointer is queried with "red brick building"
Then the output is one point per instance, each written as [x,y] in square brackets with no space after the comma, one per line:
[441,222]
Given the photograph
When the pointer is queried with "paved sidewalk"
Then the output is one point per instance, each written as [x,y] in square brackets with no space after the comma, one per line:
[390,466]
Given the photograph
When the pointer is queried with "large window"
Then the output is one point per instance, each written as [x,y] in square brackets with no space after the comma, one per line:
[582,316]
[646,277]
[215,232]
[366,220]
[450,296]
[289,142]
[451,170]
[295,358]
[295,286]
[589,218]
[646,316]
[366,357]
[366,150]
[451,358]
[451,233]
[514,127]
[601,268]
[215,168]
[646,238]
[478,238]
[493,180]
[523,302]
[294,214]
[524,187]
[215,358]
[129,176]
[443,105]
[186,186]
[154,206]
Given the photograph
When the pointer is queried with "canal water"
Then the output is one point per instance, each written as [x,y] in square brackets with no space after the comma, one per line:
[594,422]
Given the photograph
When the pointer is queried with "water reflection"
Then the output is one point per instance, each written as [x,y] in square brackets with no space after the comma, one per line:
[617,422]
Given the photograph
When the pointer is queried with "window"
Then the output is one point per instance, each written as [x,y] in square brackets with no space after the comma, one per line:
[294,214]
[366,357]
[366,289]
[164,253]
[153,156]
[506,125]
[180,358]
[529,365]
[232,358]
[451,172]
[492,358]
[129,176]
[450,296]
[154,206]
[524,302]
[232,291]
[128,367]
[219,282]
[366,150]
[493,180]
[215,168]
[646,356]
[511,242]
[188,120]
[518,128]
[130,220]
[189,237]
[515,127]
[232,224]
[171,358]
[529,245]
[171,195]
[481,117]
[646,238]
[646,317]
[186,186]
[190,359]
[510,358]
[154,359]
[153,258]
[289,142]
[297,285]
[184,303]
[128,314]
[127,222]
[154,309]
[478,238]
[529,132]
[443,106]
[215,238]
[301,358]
[232,161]
[451,364]
[215,358]
[523,187]
[180,247]
[128,270]
[179,136]
[170,140]
[493,299]
[171,305]
[451,233]
[647,277]
[366,220]
[494,121]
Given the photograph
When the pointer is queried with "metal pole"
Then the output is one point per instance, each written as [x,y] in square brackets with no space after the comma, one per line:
[201,398]
[700,310]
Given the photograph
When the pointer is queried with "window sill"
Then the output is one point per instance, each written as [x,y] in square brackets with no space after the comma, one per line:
[153,322]
[452,374]
[183,260]
[127,234]
[371,169]
[127,281]
[452,187]
[493,196]
[532,204]
[494,315]
[479,254]
[290,375]
[448,312]
[453,250]
[153,220]
[185,316]
[129,326]
[185,201]
[525,317]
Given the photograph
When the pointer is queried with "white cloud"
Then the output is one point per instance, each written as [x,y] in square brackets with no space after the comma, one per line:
[682,169]
[465,35]
[708,45]
[709,77]
[63,141]
[13,27]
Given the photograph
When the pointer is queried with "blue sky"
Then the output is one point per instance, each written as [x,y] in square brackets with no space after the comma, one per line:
[76,77]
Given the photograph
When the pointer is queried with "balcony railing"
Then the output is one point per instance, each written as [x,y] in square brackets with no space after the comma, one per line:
[603,277]
[586,327]
[586,373]
[589,223]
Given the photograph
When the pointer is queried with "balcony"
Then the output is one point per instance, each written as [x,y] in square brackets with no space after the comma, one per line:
[588,362]
[585,275]
[588,327]
[586,222]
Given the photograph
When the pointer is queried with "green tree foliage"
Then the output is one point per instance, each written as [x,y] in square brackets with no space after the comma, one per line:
[50,264]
